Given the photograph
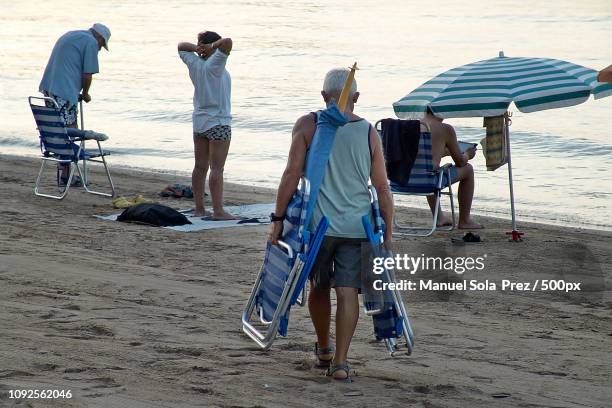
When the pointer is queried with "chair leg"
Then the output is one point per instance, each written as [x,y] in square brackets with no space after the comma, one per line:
[38,179]
[449,193]
[452,204]
[406,230]
[410,231]
[108,176]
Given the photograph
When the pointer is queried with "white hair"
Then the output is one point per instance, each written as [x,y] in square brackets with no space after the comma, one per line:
[335,79]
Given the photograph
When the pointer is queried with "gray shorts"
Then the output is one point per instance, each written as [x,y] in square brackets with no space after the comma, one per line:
[339,263]
[219,132]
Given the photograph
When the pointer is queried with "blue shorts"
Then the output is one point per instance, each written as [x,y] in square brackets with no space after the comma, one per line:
[453,174]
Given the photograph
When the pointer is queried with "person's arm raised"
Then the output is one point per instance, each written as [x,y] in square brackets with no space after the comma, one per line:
[187,46]
[223,44]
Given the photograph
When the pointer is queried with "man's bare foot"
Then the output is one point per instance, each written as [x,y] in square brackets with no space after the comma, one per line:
[470,225]
[443,221]
[224,216]
[339,372]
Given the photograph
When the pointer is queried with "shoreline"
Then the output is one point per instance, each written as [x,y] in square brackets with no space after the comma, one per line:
[137,316]
[186,176]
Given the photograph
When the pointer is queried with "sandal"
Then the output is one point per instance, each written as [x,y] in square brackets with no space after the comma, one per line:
[323,362]
[471,237]
[467,238]
[339,367]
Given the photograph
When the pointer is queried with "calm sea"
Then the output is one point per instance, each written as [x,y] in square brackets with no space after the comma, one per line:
[282,49]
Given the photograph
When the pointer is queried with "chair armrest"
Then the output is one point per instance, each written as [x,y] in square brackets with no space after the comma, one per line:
[75,134]
[441,169]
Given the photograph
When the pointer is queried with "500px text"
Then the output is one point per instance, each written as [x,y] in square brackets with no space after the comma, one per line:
[544,285]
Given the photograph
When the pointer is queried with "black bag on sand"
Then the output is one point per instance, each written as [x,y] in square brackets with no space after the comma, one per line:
[153,214]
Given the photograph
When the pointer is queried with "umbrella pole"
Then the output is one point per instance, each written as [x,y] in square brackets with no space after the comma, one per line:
[516,235]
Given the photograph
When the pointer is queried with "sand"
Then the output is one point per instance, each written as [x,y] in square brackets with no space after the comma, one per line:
[134,316]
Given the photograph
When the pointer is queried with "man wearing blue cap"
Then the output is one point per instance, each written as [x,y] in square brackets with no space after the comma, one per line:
[72,63]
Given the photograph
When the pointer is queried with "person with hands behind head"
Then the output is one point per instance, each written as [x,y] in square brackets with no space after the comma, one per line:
[211,117]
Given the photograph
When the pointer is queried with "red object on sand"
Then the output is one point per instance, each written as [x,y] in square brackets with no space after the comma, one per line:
[516,235]
[605,75]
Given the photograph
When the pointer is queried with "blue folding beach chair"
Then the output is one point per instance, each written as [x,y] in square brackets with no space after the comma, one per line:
[424,180]
[281,282]
[57,143]
[286,267]
[387,308]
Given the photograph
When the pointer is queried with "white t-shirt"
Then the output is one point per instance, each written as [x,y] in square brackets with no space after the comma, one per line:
[213,89]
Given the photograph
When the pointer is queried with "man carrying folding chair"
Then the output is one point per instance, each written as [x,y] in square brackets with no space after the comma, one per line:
[355,158]
[68,74]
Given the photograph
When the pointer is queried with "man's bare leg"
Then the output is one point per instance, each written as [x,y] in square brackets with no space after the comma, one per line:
[465,175]
[347,314]
[218,154]
[443,220]
[198,176]
[319,306]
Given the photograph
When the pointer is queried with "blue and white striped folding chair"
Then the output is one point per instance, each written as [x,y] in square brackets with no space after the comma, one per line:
[283,274]
[58,145]
[424,180]
[388,311]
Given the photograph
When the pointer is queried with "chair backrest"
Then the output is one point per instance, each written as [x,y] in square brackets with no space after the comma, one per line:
[52,130]
[422,178]
[293,225]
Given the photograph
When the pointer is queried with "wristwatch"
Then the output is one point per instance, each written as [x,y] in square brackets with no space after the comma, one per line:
[275,218]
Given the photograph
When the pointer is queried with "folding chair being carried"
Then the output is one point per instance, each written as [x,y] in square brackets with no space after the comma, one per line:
[281,282]
[57,143]
[387,308]
[424,181]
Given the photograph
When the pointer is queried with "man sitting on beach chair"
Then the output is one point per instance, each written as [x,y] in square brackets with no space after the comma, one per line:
[444,143]
[355,158]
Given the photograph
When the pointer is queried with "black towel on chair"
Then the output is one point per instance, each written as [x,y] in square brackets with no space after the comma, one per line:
[400,140]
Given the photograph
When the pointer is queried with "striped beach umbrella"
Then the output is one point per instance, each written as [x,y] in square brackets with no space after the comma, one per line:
[487,88]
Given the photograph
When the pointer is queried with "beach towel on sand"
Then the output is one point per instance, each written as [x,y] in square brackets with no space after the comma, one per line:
[249,215]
